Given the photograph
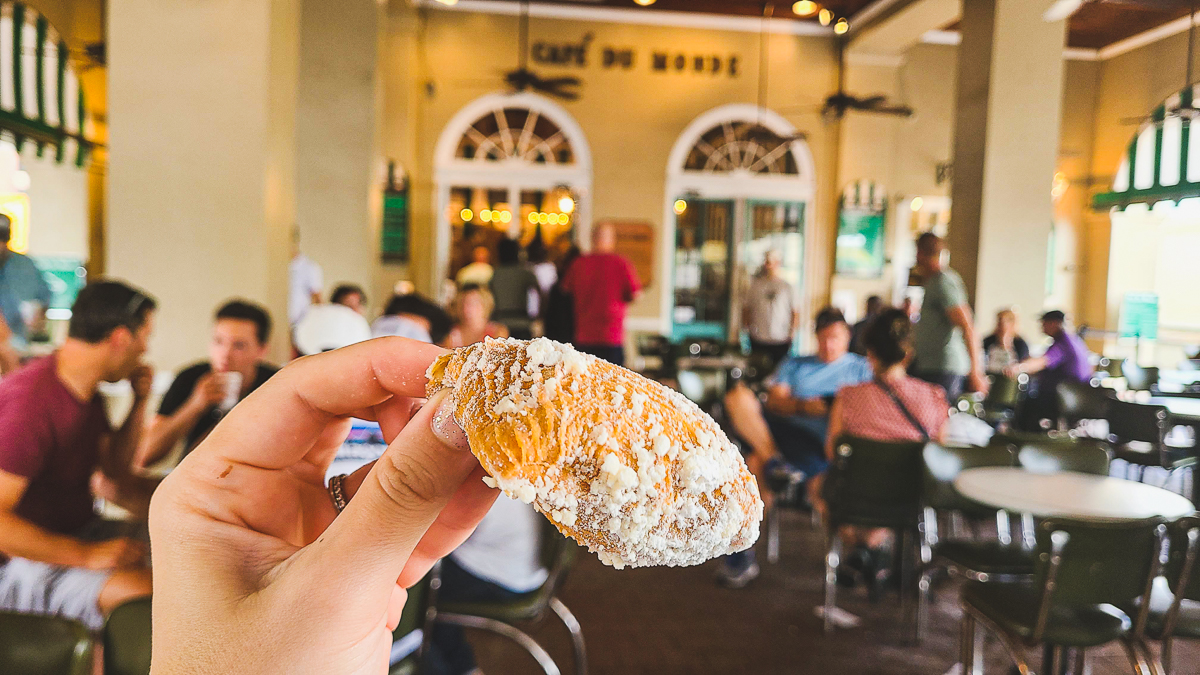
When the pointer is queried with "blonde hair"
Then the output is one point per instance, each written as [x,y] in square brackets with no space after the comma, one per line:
[1006,313]
[485,296]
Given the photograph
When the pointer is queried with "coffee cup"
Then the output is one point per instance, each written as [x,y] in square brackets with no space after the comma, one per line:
[232,382]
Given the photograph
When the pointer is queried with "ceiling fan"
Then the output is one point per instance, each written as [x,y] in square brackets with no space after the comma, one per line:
[1186,108]
[523,78]
[837,104]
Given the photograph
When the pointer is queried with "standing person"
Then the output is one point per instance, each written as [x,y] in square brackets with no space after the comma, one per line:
[479,271]
[470,310]
[601,284]
[771,313]
[198,397]
[56,557]
[558,315]
[947,351]
[1004,347]
[511,286]
[350,295]
[874,307]
[1065,360]
[305,281]
[21,282]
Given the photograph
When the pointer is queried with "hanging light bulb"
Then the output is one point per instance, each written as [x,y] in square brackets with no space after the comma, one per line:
[505,216]
[645,3]
[485,215]
[566,203]
[841,26]
[532,218]
[804,8]
[680,206]
[825,17]
[466,215]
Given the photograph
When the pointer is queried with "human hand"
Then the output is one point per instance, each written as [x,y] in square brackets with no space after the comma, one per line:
[141,379]
[1012,370]
[812,407]
[113,554]
[208,392]
[252,571]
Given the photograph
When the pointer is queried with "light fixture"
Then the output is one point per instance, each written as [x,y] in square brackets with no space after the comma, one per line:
[680,206]
[552,218]
[533,217]
[543,219]
[506,216]
[841,26]
[1060,185]
[825,17]
[916,204]
[564,219]
[448,3]
[566,203]
[805,8]
[645,3]
[466,215]
[485,216]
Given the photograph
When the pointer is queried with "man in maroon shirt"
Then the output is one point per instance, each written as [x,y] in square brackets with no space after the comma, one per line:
[56,557]
[602,283]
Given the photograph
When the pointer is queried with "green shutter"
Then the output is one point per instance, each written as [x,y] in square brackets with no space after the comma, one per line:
[40,75]
[60,99]
[18,28]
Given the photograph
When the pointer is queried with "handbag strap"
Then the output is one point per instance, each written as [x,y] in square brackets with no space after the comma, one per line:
[912,419]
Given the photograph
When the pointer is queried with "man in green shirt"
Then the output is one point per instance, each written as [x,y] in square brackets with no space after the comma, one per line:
[947,352]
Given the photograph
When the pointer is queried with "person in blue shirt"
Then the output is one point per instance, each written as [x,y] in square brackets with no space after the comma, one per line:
[789,429]
[20,282]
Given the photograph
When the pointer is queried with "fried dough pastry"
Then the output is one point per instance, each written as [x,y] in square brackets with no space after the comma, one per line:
[625,466]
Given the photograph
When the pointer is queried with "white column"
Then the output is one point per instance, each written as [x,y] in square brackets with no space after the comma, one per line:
[202,101]
[1009,100]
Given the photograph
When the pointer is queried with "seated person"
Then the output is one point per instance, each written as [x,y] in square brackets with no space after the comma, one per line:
[498,562]
[1004,347]
[56,556]
[1067,358]
[891,407]
[351,296]
[471,310]
[414,317]
[792,428]
[198,397]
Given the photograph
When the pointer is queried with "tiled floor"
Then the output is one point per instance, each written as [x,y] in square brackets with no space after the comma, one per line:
[663,621]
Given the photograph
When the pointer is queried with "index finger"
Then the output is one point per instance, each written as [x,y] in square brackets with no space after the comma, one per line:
[275,426]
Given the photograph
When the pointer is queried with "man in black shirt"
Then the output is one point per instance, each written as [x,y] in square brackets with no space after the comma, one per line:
[198,399]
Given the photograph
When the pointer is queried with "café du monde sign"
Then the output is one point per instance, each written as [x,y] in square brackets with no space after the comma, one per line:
[578,54]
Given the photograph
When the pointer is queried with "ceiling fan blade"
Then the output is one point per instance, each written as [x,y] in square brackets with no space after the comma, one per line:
[1062,9]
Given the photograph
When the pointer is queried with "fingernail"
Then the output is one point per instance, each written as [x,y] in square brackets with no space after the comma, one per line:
[444,426]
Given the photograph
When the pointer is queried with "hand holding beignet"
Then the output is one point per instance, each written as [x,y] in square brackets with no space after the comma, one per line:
[629,468]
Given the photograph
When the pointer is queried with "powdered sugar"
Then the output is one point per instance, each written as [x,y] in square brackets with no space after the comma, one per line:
[629,468]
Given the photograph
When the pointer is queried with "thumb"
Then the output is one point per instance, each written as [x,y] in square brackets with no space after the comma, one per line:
[402,495]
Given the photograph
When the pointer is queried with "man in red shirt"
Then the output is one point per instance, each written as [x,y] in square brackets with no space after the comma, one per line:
[56,557]
[602,283]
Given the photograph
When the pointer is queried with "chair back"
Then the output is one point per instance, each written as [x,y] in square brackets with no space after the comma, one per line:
[1138,378]
[1006,393]
[1182,570]
[702,386]
[413,616]
[942,466]
[875,483]
[1078,401]
[1129,422]
[1097,562]
[558,555]
[127,639]
[31,644]
[1085,455]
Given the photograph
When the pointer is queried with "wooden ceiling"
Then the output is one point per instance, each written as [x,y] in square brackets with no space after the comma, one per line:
[1097,24]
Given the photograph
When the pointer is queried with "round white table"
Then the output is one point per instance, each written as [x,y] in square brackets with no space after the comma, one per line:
[1069,495]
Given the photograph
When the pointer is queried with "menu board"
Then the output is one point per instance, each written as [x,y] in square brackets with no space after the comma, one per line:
[635,241]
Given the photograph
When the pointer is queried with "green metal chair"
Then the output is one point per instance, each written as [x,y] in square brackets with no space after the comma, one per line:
[1139,432]
[408,630]
[1004,398]
[1085,571]
[32,644]
[1082,455]
[558,554]
[1137,377]
[1182,618]
[127,639]
[873,484]
[983,561]
[1078,401]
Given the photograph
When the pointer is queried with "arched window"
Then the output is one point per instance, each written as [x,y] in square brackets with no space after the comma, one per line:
[510,165]
[740,182]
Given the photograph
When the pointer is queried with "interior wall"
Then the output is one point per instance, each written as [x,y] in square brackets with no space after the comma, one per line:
[437,61]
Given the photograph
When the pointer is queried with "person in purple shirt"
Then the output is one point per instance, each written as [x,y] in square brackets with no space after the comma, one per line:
[1066,359]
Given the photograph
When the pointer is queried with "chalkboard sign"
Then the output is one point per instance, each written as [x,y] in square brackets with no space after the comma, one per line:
[394,246]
